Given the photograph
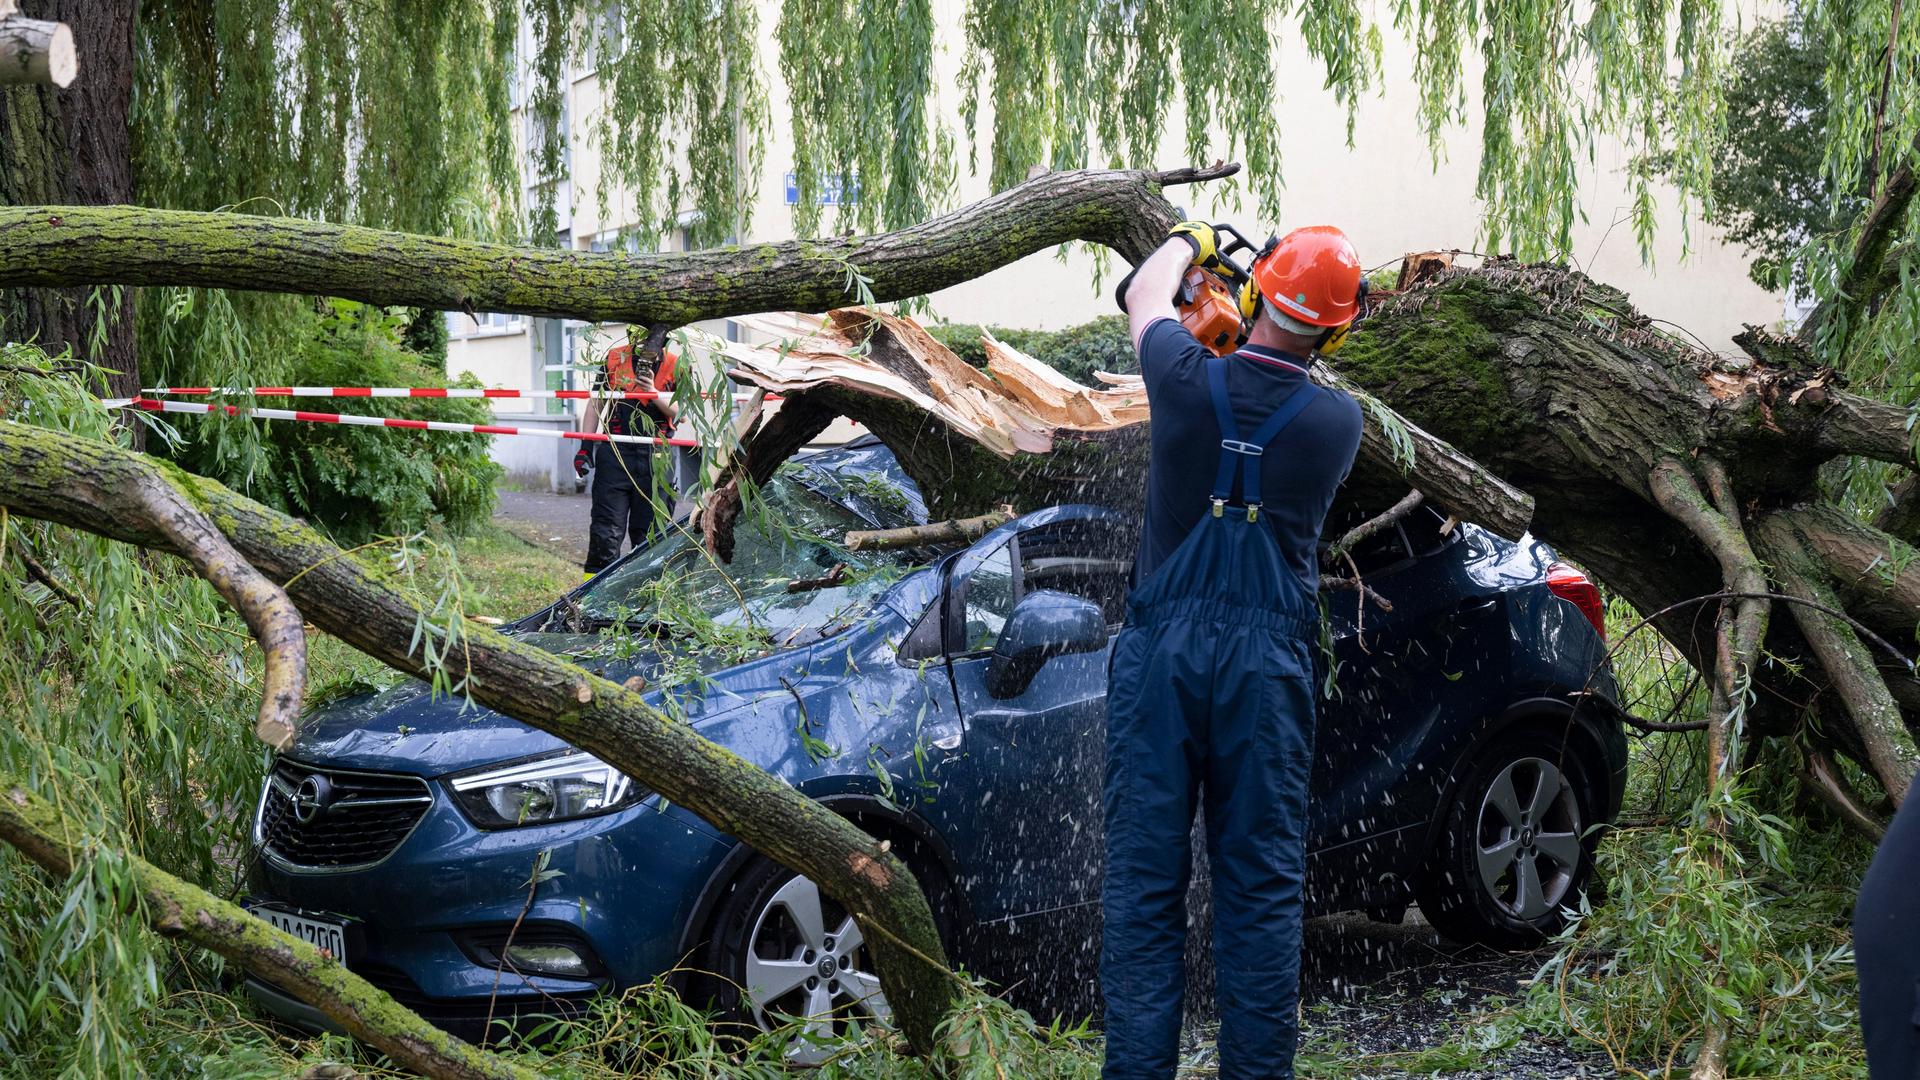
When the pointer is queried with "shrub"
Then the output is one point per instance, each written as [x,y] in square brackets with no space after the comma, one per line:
[1076,352]
[355,482]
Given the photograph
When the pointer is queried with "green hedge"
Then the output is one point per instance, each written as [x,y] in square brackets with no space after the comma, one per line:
[356,483]
[1076,352]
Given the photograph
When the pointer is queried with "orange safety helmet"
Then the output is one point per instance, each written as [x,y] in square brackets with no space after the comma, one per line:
[1312,275]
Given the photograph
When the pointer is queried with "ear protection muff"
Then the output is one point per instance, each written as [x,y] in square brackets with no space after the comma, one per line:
[1336,336]
[1249,293]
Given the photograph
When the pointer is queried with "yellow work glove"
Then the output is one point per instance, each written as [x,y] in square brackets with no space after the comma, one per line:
[1205,240]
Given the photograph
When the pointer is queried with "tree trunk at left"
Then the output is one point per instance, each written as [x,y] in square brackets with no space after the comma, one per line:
[74,146]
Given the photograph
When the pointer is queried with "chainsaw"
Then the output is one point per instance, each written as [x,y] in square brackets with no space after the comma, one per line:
[1215,298]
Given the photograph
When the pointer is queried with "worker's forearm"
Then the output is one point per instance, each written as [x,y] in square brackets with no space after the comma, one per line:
[1150,296]
[590,416]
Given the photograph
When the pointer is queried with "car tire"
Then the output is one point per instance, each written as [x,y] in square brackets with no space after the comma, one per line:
[780,949]
[1515,846]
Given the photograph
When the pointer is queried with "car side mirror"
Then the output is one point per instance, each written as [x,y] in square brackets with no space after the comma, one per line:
[1044,624]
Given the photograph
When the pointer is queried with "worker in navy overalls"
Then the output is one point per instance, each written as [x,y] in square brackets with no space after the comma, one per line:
[1212,686]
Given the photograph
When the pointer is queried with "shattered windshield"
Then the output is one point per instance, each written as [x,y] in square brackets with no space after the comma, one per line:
[790,571]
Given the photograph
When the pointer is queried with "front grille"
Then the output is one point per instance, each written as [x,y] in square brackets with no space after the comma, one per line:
[353,819]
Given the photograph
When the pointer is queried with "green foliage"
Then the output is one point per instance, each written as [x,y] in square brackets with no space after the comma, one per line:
[381,113]
[129,710]
[425,335]
[1769,191]
[1077,351]
[1702,928]
[360,482]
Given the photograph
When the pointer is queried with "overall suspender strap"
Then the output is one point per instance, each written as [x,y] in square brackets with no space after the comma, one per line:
[1236,452]
[1229,431]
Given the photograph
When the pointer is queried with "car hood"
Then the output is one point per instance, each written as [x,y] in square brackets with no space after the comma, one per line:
[404,727]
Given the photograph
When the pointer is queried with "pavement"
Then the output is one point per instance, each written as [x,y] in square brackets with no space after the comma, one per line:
[555,522]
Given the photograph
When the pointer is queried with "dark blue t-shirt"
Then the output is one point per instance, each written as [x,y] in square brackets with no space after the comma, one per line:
[1298,473]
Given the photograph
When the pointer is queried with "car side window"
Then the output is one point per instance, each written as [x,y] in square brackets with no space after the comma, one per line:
[1089,559]
[988,601]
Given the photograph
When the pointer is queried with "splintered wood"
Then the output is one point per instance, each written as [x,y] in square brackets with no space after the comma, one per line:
[1015,406]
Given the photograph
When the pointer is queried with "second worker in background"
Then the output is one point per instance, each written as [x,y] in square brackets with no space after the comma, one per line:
[626,496]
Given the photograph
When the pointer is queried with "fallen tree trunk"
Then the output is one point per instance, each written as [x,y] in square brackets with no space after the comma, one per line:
[1018,432]
[129,245]
[178,909]
[85,484]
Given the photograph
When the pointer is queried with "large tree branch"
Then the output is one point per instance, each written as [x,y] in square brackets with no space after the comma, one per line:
[1020,432]
[1853,669]
[1869,272]
[179,909]
[275,623]
[79,482]
[73,245]
[34,50]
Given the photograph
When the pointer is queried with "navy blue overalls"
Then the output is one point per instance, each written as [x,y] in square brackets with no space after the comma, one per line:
[1212,689]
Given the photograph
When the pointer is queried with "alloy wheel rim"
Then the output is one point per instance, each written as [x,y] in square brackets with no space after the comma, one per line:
[807,960]
[1527,838]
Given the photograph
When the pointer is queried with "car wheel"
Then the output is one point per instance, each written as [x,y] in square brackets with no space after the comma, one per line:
[786,951]
[1512,853]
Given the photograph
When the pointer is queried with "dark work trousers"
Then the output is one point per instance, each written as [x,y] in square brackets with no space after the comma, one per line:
[1886,951]
[622,482]
[1211,691]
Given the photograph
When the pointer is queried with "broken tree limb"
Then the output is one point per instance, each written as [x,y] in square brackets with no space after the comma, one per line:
[1359,533]
[276,624]
[951,531]
[1851,667]
[78,245]
[1019,431]
[34,50]
[179,909]
[81,483]
[1825,780]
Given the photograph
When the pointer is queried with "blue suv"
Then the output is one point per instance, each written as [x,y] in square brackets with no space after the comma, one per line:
[951,702]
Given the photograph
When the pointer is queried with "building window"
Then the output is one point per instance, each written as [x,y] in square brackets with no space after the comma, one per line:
[485,324]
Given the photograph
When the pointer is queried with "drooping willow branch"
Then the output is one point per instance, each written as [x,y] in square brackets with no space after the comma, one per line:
[179,909]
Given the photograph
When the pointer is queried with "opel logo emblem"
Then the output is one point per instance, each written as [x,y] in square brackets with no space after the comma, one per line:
[827,967]
[311,799]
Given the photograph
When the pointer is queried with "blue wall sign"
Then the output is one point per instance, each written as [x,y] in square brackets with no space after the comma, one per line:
[834,190]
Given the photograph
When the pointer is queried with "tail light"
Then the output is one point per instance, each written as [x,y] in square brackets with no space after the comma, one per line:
[1574,587]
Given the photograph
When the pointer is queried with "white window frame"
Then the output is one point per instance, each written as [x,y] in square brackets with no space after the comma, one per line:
[485,324]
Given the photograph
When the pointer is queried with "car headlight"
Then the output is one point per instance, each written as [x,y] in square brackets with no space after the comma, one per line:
[559,787]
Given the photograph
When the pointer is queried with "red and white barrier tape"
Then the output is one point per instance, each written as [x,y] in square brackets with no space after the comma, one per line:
[154,405]
[414,392]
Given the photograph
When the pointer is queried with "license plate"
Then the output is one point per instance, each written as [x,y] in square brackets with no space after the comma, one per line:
[330,937]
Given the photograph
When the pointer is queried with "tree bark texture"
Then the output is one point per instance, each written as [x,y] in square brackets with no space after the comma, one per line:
[53,245]
[81,483]
[178,909]
[73,145]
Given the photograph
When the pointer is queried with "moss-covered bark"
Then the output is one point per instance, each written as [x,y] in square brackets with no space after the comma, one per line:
[64,245]
[177,908]
[73,481]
